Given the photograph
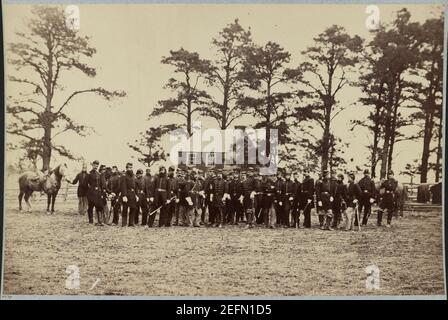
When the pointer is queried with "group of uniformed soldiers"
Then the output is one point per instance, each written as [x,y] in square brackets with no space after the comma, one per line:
[194,198]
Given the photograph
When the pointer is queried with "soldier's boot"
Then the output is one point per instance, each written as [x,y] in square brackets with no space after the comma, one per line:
[321,221]
[379,218]
[389,217]
[329,223]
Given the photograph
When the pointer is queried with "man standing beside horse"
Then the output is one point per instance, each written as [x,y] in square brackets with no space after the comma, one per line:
[83,188]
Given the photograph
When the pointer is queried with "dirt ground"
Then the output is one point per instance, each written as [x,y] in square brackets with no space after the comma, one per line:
[218,262]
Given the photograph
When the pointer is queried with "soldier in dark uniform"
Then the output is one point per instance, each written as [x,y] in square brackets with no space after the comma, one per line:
[201,178]
[115,188]
[306,200]
[388,199]
[209,191]
[149,181]
[295,206]
[278,202]
[353,196]
[161,193]
[367,197]
[197,197]
[220,195]
[129,197]
[269,199]
[96,185]
[248,186]
[235,189]
[185,206]
[105,177]
[142,204]
[287,196]
[173,187]
[325,197]
[258,200]
[339,202]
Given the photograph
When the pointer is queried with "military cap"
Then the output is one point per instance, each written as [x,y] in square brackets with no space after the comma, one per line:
[341,176]
[96,162]
[325,172]
[102,167]
[352,175]
[162,168]
[366,171]
[139,171]
[171,168]
[390,172]
[114,167]
[128,164]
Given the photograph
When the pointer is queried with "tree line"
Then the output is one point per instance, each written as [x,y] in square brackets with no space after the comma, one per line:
[399,73]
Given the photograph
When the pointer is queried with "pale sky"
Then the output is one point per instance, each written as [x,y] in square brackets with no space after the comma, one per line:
[131,40]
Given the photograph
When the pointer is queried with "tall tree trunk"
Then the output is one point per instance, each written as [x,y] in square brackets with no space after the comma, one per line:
[376,136]
[326,138]
[427,137]
[439,150]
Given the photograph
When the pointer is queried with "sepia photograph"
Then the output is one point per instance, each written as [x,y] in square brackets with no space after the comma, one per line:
[223,150]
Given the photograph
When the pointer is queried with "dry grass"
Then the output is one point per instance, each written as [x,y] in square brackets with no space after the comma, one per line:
[213,262]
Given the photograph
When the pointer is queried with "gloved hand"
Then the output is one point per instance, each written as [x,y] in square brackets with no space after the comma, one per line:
[252,195]
[125,199]
[280,203]
[372,200]
[291,198]
[136,198]
[151,199]
[211,197]
[308,201]
[189,201]
[168,201]
[241,199]
[147,200]
[331,199]
[319,203]
[355,201]
[177,200]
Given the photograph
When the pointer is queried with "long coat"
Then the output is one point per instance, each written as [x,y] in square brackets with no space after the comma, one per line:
[128,189]
[96,187]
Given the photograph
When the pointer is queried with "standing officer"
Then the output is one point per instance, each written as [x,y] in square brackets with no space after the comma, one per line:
[220,195]
[142,204]
[295,209]
[353,196]
[368,196]
[161,192]
[129,197]
[248,187]
[209,191]
[115,188]
[258,200]
[235,189]
[105,177]
[95,191]
[83,188]
[278,202]
[173,190]
[324,201]
[288,192]
[197,196]
[306,200]
[149,181]
[269,199]
[339,202]
[388,199]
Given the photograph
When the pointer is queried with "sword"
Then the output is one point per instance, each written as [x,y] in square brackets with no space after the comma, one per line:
[357,216]
[152,212]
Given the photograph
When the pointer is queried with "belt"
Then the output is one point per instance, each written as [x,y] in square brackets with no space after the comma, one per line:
[289,193]
[388,191]
[324,192]
[96,188]
[161,189]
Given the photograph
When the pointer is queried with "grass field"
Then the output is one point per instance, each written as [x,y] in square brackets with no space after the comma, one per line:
[218,262]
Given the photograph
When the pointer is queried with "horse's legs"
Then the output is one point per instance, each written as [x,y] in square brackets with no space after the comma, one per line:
[21,193]
[48,202]
[53,200]
[27,197]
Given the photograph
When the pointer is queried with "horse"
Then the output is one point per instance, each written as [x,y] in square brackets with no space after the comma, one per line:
[49,183]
